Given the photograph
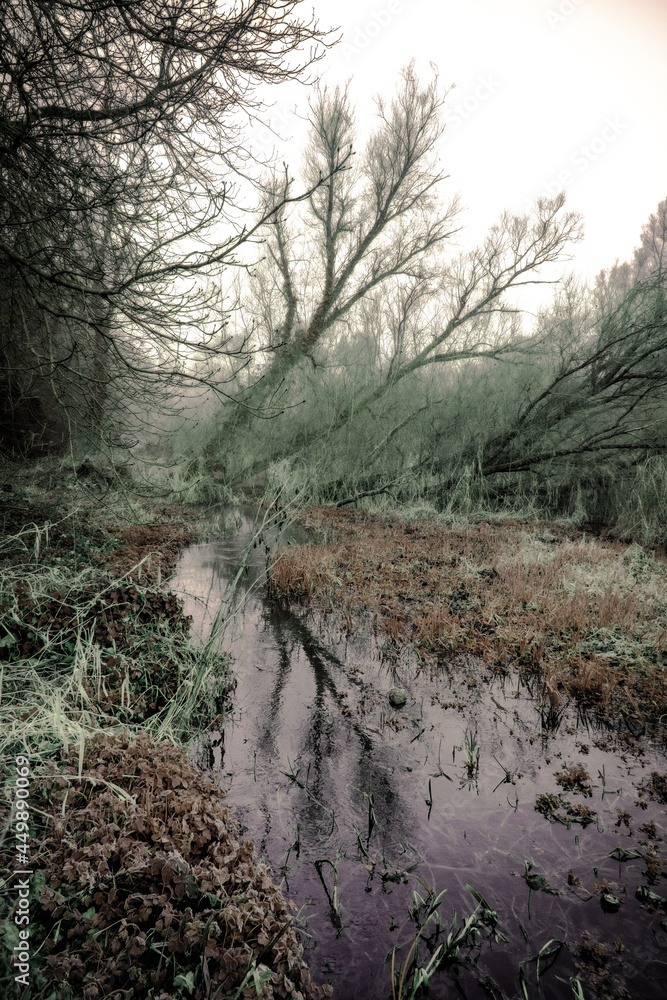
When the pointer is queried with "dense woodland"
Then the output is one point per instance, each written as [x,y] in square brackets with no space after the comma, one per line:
[333,339]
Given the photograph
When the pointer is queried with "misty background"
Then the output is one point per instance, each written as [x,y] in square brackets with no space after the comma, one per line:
[409,253]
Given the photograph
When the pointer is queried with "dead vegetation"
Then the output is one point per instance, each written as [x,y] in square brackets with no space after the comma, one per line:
[655,787]
[143,884]
[558,809]
[601,969]
[155,892]
[575,778]
[156,547]
[83,618]
[585,615]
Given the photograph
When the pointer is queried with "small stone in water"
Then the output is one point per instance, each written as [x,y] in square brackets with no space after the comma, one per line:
[397,697]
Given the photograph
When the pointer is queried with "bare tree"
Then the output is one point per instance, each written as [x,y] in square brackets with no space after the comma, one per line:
[368,222]
[648,264]
[373,252]
[650,257]
[603,389]
[120,138]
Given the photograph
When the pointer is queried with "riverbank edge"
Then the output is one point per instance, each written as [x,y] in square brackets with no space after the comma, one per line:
[133,857]
[573,612]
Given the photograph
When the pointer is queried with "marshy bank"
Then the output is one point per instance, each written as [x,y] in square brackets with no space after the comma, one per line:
[496,826]
[501,832]
[141,883]
[445,741]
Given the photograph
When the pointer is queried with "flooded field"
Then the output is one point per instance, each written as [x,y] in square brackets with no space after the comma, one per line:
[428,808]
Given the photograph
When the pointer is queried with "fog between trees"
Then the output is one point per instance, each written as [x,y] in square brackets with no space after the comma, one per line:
[358,351]
[393,364]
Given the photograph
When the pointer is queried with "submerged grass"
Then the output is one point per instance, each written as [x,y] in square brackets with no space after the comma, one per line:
[445,946]
[587,616]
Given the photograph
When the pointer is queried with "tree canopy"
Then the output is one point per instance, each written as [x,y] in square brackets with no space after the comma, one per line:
[121,125]
[373,249]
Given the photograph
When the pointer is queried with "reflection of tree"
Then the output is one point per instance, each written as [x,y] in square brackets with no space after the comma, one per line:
[339,762]
[320,747]
[328,734]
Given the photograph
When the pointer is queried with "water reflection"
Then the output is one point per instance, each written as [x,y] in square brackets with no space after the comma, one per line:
[356,805]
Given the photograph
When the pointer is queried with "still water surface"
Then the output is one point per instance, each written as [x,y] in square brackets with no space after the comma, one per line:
[356,804]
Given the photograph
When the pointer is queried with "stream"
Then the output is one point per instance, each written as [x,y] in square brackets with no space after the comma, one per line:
[358,806]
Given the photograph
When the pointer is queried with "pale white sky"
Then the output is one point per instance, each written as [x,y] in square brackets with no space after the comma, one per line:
[549,94]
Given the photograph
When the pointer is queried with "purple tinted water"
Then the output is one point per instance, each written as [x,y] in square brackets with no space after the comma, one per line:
[312,737]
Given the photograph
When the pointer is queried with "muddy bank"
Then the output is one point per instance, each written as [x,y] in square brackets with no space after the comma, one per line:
[68,528]
[76,586]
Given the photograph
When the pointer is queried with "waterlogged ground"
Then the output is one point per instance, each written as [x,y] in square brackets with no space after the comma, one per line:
[481,779]
[142,884]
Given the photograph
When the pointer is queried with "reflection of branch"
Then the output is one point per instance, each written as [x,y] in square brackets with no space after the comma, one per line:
[303,785]
[334,903]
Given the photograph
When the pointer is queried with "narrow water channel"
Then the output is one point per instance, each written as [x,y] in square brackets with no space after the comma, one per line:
[358,805]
